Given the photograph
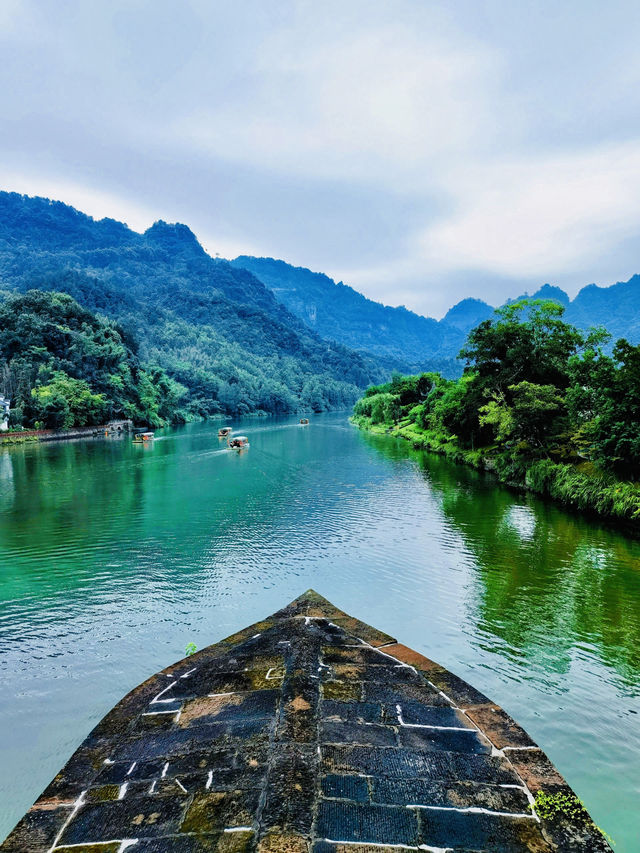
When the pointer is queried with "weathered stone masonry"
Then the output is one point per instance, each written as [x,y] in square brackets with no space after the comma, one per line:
[309,731]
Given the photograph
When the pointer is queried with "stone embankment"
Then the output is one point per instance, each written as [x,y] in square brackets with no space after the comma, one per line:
[26,435]
[309,731]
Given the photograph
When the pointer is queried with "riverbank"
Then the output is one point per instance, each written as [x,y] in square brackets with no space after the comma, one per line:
[583,487]
[116,428]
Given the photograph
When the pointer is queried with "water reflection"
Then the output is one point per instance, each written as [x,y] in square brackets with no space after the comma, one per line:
[112,557]
[549,581]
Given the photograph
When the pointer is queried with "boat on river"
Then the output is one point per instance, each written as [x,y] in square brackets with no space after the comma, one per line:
[308,732]
[143,437]
[238,442]
[304,421]
[223,432]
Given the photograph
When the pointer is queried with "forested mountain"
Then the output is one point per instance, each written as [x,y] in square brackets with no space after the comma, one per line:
[215,329]
[64,366]
[336,311]
[249,335]
[340,313]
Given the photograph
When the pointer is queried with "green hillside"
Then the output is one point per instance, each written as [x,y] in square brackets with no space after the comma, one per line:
[410,342]
[216,330]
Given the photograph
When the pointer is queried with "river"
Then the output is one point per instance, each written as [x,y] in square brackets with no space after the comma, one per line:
[114,556]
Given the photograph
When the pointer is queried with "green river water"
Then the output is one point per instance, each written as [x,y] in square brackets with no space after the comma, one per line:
[113,557]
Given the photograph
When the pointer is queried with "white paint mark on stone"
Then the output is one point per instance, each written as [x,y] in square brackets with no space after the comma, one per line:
[277,676]
[123,790]
[239,829]
[164,770]
[76,806]
[517,748]
[381,844]
[108,761]
[153,786]
[128,842]
[132,768]
[156,699]
[425,726]
[187,674]
[400,664]
[442,693]
[472,810]
[209,780]
[181,786]
[157,713]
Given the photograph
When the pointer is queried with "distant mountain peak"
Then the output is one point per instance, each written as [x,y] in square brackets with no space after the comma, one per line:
[173,236]
[467,313]
[550,291]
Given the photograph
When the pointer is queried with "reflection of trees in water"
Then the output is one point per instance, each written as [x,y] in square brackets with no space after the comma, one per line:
[551,581]
[58,513]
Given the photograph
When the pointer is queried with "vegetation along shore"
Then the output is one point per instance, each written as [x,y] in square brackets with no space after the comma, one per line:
[543,405]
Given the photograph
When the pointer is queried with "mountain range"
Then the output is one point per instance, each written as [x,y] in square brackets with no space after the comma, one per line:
[253,333]
[338,312]
[215,329]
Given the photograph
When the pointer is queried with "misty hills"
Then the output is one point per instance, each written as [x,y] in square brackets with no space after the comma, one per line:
[405,340]
[215,329]
[617,307]
[340,313]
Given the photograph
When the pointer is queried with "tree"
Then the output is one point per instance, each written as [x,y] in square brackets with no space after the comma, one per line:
[616,427]
[63,402]
[530,417]
[526,340]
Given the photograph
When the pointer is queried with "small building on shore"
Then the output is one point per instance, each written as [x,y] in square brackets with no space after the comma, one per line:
[119,426]
[5,408]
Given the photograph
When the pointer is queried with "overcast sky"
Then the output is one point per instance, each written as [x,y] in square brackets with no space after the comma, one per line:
[419,151]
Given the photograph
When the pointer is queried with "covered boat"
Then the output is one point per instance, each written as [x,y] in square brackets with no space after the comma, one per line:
[141,437]
[223,432]
[304,421]
[308,732]
[238,442]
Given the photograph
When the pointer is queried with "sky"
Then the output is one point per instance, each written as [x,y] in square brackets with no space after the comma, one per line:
[422,152]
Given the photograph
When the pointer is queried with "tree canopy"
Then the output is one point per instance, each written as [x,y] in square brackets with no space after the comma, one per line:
[534,387]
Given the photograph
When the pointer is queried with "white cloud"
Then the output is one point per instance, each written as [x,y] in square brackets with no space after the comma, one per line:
[378,105]
[538,216]
[413,149]
[94,202]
